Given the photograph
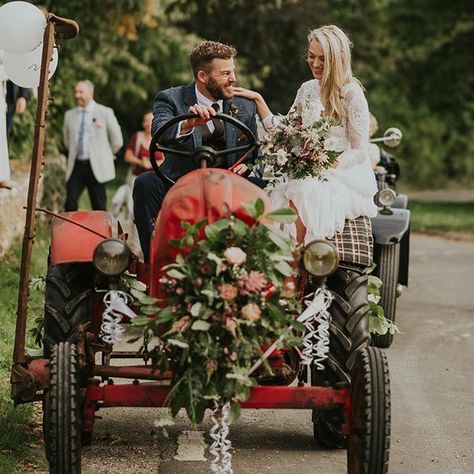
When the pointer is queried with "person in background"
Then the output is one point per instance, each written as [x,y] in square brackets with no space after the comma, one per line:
[137,149]
[92,136]
[374,149]
[16,103]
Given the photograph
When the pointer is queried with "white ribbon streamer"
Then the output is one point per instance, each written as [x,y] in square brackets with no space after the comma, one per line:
[116,307]
[315,312]
[220,448]
[316,319]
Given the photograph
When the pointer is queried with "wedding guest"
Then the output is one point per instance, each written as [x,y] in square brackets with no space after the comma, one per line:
[16,102]
[347,190]
[92,136]
[137,149]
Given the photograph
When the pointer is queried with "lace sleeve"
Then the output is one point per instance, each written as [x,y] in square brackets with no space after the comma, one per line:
[357,129]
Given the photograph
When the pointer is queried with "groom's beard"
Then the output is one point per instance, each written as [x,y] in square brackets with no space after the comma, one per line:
[219,92]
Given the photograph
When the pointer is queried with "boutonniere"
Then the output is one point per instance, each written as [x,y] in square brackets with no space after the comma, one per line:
[234,110]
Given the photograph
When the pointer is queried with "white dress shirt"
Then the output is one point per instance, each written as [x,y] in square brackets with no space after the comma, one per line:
[205,102]
[89,119]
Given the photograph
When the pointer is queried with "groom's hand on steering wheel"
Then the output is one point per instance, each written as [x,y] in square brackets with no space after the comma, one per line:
[205,114]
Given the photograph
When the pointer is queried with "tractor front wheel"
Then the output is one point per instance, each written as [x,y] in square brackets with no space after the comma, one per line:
[369,441]
[388,261]
[62,430]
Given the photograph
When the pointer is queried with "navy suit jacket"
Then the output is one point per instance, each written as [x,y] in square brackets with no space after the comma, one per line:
[176,101]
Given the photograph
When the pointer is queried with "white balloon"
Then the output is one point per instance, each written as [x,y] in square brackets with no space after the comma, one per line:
[21,27]
[24,69]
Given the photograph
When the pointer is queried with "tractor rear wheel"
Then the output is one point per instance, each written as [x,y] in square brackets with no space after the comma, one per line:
[369,441]
[349,332]
[63,408]
[69,290]
[388,258]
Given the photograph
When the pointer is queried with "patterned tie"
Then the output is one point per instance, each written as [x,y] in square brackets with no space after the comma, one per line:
[80,141]
[218,125]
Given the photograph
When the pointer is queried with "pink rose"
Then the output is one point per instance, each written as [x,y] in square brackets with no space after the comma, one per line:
[235,255]
[252,283]
[231,325]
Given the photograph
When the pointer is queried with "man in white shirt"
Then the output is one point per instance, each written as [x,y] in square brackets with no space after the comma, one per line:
[92,136]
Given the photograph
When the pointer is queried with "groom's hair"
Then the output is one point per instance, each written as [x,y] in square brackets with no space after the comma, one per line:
[202,55]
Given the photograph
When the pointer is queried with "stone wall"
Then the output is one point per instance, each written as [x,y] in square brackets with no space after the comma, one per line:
[12,202]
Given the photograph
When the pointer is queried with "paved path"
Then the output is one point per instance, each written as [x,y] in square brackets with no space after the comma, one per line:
[432,374]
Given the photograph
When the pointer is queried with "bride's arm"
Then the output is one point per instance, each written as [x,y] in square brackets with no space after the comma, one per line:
[262,107]
[268,119]
[357,127]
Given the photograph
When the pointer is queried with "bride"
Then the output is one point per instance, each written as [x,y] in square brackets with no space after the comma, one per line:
[346,191]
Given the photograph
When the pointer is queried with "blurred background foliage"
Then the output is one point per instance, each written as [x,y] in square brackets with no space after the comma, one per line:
[414,59]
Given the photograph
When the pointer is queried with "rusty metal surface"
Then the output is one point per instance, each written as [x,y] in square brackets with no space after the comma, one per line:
[151,394]
[75,235]
[19,356]
[131,372]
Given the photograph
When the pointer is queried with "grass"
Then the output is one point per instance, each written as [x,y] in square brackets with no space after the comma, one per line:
[16,424]
[442,217]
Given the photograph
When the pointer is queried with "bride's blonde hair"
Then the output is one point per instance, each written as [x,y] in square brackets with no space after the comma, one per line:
[337,71]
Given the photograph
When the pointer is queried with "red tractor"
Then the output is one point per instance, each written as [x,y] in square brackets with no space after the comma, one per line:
[349,399]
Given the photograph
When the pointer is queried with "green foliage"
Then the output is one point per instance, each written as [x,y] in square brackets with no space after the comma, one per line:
[378,323]
[15,422]
[442,216]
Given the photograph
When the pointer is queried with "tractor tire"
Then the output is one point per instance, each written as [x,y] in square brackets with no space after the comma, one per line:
[69,290]
[349,333]
[62,415]
[369,441]
[388,262]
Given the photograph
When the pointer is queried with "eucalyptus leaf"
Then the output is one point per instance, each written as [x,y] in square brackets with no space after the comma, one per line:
[283,216]
[284,268]
[200,325]
[178,343]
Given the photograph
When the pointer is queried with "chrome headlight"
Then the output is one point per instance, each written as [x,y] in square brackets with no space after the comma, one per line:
[112,257]
[386,197]
[320,258]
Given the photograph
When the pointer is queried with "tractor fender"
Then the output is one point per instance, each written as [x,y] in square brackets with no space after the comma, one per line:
[389,229]
[209,194]
[72,243]
[401,202]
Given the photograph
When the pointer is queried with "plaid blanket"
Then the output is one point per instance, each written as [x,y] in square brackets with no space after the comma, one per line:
[355,243]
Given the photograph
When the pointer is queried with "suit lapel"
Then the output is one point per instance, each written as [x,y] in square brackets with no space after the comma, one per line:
[189,98]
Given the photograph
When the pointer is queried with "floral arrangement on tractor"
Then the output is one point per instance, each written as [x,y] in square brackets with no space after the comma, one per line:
[226,299]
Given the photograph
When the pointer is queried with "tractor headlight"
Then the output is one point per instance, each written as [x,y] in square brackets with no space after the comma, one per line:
[386,197]
[320,258]
[112,257]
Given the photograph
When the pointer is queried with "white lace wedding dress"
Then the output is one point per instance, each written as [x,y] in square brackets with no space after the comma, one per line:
[345,192]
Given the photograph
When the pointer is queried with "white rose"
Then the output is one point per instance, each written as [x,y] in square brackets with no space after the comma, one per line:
[282,157]
[235,255]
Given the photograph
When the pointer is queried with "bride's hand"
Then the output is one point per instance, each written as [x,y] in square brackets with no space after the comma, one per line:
[247,93]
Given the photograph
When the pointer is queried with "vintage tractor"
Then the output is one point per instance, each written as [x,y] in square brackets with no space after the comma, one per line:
[391,228]
[350,398]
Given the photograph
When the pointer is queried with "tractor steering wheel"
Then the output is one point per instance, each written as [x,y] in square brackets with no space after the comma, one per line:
[204,156]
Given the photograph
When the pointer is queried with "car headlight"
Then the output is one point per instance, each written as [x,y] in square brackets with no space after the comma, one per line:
[386,197]
[111,257]
[320,258]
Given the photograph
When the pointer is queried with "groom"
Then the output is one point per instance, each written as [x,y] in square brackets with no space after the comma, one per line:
[212,92]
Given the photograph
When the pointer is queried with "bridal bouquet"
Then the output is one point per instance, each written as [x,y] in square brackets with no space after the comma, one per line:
[300,145]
